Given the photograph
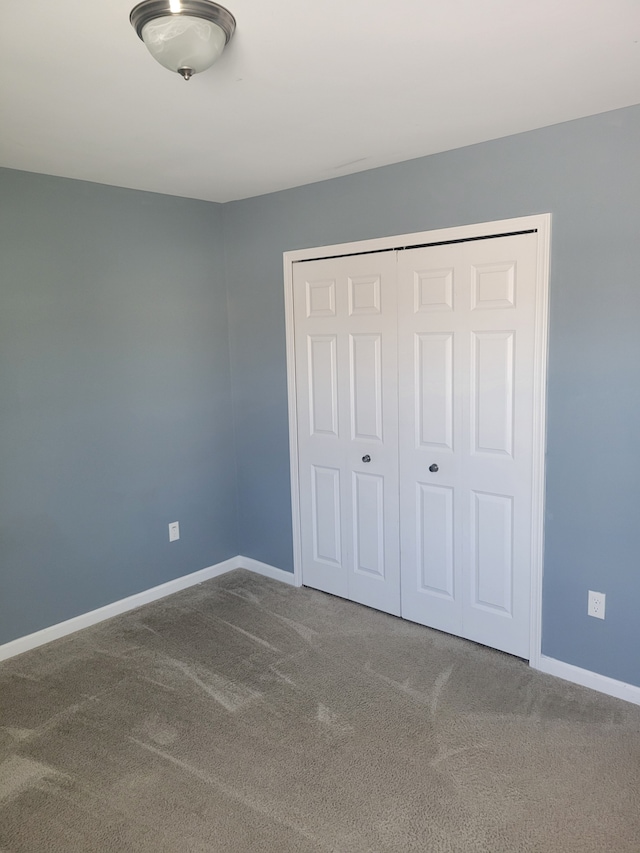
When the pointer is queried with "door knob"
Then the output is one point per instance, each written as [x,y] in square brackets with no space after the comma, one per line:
[366,458]
[433,468]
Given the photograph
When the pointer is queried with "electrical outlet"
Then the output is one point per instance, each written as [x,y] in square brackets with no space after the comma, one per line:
[174,531]
[596,604]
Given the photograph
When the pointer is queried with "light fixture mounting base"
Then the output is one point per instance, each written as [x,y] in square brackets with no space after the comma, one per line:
[149,10]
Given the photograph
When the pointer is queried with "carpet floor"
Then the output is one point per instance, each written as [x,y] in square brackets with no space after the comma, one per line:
[247,715]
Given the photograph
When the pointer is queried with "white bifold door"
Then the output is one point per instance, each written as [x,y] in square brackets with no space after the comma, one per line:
[415,403]
[347,395]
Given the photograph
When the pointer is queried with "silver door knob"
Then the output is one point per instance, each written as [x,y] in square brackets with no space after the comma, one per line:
[366,458]
[433,468]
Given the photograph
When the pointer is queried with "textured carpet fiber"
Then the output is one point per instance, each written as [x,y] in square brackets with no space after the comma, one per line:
[246,715]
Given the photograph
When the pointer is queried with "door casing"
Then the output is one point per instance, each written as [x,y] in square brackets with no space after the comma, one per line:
[541,224]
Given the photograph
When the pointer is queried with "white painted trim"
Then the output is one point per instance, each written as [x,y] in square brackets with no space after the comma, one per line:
[416,238]
[85,620]
[293,416]
[538,491]
[540,222]
[268,571]
[586,678]
[551,666]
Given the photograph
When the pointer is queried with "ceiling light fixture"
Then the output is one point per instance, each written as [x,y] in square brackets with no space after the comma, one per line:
[186,36]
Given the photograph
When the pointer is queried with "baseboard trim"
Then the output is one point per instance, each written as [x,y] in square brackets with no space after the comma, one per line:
[266,570]
[70,626]
[586,678]
[551,666]
[93,617]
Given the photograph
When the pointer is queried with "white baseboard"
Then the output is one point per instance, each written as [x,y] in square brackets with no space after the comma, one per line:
[586,678]
[551,666]
[70,626]
[266,570]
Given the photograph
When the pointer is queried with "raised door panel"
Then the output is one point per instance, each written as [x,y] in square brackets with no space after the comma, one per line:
[491,576]
[368,525]
[434,390]
[365,294]
[493,285]
[492,392]
[323,384]
[321,298]
[435,542]
[326,515]
[366,386]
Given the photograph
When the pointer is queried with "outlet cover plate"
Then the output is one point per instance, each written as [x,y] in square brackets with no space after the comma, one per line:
[596,604]
[174,531]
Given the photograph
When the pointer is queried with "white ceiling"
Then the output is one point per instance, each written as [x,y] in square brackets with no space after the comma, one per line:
[305,91]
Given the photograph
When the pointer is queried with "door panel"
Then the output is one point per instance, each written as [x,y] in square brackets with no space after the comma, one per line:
[433,290]
[435,539]
[366,386]
[492,552]
[323,384]
[321,298]
[493,286]
[430,435]
[368,524]
[346,364]
[434,390]
[491,398]
[473,408]
[364,294]
[326,515]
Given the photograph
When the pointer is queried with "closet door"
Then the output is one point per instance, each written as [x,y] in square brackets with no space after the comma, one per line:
[347,404]
[466,347]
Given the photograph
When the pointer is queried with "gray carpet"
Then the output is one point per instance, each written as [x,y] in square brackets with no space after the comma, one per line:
[246,715]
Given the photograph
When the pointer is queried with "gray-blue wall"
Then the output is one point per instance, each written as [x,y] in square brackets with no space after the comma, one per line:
[115,399]
[116,381]
[587,174]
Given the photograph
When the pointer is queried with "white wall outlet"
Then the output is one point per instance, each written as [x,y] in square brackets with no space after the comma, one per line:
[174,531]
[596,604]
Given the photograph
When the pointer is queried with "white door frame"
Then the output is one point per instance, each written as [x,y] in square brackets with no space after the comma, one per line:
[541,223]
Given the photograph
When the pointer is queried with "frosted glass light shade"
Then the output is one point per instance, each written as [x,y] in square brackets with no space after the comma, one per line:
[186,36]
[179,41]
